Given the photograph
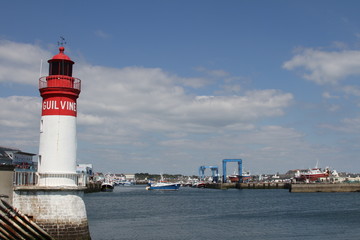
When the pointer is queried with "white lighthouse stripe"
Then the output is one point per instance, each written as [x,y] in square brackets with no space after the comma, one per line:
[58,146]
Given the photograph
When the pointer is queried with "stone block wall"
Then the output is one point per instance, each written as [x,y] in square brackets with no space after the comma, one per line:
[60,212]
[325,187]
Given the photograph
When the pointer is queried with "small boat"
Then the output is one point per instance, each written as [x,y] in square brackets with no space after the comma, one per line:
[127,184]
[163,185]
[107,187]
[200,184]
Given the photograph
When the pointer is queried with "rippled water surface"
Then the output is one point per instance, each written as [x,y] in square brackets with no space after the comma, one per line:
[209,214]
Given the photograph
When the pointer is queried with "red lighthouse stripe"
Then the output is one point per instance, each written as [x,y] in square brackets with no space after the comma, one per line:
[59,106]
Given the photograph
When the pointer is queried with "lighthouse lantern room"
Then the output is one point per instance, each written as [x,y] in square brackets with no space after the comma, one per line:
[57,150]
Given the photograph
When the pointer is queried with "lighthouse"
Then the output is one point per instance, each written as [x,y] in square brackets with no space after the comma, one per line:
[56,202]
[57,150]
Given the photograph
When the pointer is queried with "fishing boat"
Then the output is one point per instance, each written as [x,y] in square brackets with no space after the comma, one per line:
[199,184]
[314,174]
[311,175]
[235,178]
[163,185]
[107,187]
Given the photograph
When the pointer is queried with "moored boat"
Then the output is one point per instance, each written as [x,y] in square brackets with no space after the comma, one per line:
[311,175]
[235,178]
[107,187]
[163,185]
[199,184]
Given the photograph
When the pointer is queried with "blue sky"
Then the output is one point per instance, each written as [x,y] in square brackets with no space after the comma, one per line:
[168,86]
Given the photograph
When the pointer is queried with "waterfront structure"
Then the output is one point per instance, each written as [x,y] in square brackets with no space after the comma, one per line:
[55,203]
[214,171]
[6,182]
[57,151]
[23,165]
[21,160]
[225,161]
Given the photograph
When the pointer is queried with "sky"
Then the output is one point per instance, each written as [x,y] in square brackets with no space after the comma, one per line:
[168,86]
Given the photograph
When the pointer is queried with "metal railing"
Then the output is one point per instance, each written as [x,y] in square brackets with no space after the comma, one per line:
[32,178]
[60,81]
[25,178]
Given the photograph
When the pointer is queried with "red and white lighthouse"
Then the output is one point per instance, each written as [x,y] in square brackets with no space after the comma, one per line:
[57,150]
[56,202]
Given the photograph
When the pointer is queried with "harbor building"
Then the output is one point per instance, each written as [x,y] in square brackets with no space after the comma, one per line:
[56,203]
[16,167]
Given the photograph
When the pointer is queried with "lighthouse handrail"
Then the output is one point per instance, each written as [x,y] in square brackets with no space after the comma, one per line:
[32,178]
[58,82]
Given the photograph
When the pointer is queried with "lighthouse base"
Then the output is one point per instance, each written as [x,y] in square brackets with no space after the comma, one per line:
[59,211]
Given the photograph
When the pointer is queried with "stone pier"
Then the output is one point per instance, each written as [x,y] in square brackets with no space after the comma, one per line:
[324,187]
[60,211]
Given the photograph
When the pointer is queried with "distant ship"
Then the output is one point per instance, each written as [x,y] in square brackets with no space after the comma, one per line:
[108,184]
[163,185]
[199,184]
[236,177]
[107,187]
[312,175]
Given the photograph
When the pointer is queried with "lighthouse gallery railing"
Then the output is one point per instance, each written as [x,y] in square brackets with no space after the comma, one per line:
[59,81]
[32,178]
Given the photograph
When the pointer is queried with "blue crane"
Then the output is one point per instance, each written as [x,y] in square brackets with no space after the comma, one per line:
[214,170]
[239,161]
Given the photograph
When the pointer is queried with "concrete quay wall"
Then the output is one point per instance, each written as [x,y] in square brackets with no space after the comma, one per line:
[324,187]
[271,185]
[93,187]
[249,185]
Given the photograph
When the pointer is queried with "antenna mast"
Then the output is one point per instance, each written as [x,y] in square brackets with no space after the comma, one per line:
[41,62]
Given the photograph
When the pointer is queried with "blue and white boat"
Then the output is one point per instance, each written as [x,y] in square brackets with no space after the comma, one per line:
[163,185]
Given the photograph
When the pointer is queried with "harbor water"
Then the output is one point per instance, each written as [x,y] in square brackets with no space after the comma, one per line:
[134,213]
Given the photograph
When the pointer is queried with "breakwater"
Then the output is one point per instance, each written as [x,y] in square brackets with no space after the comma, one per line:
[249,185]
[324,187]
[294,187]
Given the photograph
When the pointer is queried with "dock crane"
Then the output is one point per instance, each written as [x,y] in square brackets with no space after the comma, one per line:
[214,171]
[239,161]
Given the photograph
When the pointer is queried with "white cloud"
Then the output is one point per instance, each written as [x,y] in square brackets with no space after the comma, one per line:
[19,111]
[334,108]
[348,125]
[328,95]
[88,119]
[152,99]
[325,67]
[351,90]
[134,113]
[20,63]
[19,121]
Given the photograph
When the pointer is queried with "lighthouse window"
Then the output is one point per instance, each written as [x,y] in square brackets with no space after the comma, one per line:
[60,68]
[54,68]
